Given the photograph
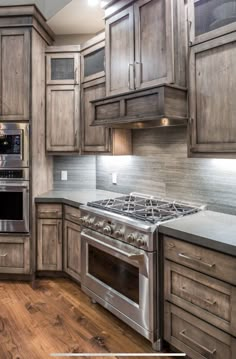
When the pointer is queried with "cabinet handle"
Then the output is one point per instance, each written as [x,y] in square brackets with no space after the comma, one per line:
[73,217]
[192,341]
[129,65]
[59,232]
[4,255]
[76,138]
[207,301]
[139,75]
[75,74]
[196,260]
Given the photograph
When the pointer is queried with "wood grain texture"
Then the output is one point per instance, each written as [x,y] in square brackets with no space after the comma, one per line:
[14,255]
[58,317]
[72,249]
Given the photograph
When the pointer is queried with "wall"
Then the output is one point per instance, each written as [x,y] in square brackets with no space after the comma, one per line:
[81,172]
[160,166]
[76,39]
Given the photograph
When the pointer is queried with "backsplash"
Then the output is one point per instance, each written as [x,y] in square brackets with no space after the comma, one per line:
[160,166]
[81,172]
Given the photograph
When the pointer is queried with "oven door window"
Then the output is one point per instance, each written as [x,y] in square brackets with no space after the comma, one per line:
[11,208]
[117,274]
[10,144]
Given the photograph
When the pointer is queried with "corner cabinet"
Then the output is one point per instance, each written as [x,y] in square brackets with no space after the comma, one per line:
[145,45]
[15,74]
[212,91]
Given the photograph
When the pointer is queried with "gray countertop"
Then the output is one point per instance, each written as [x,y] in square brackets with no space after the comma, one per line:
[75,198]
[209,229]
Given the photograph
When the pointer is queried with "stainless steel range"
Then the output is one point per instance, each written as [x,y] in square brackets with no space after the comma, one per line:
[119,266]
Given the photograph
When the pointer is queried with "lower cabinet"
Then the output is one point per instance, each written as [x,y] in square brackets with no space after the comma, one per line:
[199,300]
[71,249]
[49,244]
[14,255]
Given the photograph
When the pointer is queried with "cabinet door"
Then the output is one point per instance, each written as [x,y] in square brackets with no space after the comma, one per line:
[212,97]
[62,120]
[49,244]
[120,52]
[15,75]
[153,42]
[211,18]
[72,249]
[63,69]
[93,62]
[94,138]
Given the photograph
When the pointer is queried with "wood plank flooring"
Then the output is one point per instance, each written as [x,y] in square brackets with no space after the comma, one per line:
[57,317]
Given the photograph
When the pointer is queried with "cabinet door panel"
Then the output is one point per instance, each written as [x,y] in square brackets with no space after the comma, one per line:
[120,52]
[49,240]
[15,75]
[94,139]
[62,118]
[72,251]
[212,96]
[63,69]
[153,42]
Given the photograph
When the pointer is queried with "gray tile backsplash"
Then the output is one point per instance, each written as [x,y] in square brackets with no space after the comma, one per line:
[160,166]
[81,172]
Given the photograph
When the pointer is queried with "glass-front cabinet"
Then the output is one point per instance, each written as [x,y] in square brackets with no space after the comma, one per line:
[211,18]
[63,69]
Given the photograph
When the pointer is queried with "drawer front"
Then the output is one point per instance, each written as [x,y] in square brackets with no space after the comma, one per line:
[215,264]
[206,297]
[72,214]
[14,255]
[49,211]
[195,337]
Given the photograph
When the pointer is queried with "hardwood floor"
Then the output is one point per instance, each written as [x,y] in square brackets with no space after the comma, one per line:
[58,317]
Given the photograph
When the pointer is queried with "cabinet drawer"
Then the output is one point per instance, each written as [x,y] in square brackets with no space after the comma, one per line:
[49,210]
[206,297]
[196,338]
[72,214]
[14,255]
[204,260]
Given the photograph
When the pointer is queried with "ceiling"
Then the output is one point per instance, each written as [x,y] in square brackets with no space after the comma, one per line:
[77,17]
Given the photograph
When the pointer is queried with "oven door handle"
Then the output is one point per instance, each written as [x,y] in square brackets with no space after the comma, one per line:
[139,257]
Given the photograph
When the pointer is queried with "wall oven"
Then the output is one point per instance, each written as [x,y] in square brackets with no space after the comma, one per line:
[14,145]
[122,278]
[14,199]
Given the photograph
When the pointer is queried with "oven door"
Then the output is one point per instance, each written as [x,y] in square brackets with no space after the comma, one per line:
[14,145]
[14,209]
[122,278]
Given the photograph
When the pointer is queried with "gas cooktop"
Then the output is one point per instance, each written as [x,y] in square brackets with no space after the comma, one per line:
[145,208]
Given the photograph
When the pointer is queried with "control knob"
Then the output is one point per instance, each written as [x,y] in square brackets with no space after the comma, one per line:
[131,238]
[84,220]
[107,230]
[141,242]
[91,221]
[99,226]
[119,233]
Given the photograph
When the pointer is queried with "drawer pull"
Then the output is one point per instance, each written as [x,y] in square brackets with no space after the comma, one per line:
[196,259]
[207,301]
[209,352]
[4,255]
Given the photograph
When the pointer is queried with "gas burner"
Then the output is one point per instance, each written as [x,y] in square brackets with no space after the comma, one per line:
[145,208]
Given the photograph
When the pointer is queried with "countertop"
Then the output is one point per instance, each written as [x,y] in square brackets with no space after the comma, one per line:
[75,198]
[210,229]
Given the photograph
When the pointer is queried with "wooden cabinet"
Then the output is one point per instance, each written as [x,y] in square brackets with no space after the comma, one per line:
[15,74]
[49,244]
[211,19]
[212,128]
[200,282]
[62,118]
[71,249]
[145,45]
[14,255]
[63,69]
[93,139]
[93,58]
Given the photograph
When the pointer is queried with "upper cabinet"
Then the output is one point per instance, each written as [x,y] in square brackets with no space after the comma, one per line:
[93,58]
[209,19]
[15,74]
[63,69]
[145,45]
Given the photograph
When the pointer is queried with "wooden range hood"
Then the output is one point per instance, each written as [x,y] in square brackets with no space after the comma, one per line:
[165,105]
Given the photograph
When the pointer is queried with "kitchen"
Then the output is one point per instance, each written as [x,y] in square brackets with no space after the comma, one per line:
[118,178]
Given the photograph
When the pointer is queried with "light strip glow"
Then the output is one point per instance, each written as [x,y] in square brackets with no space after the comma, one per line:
[118,354]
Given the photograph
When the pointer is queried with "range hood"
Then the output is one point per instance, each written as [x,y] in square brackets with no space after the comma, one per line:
[160,106]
